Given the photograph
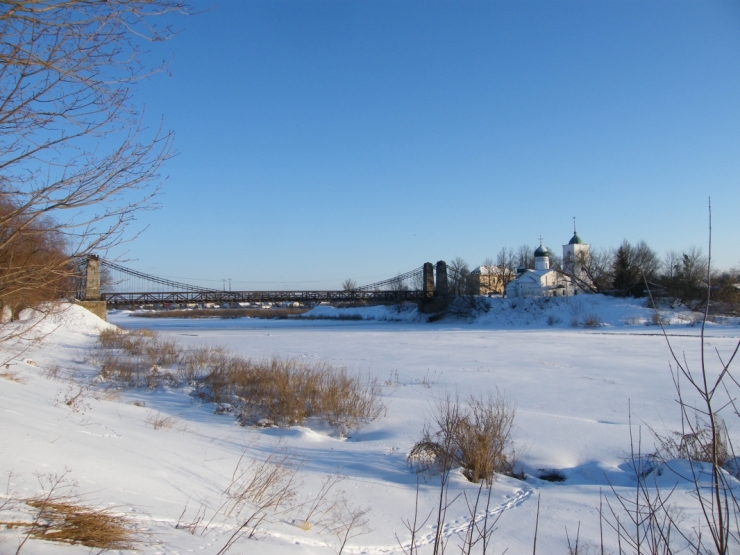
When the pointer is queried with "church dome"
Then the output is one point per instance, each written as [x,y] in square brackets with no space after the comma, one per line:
[575,240]
[541,251]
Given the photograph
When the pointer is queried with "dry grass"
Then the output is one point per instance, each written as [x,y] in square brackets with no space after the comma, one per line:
[59,515]
[107,395]
[285,392]
[53,372]
[197,363]
[695,444]
[553,320]
[657,320]
[275,391]
[160,421]
[161,352]
[259,491]
[476,437]
[349,317]
[267,313]
[136,358]
[591,321]
[67,521]
[76,398]
[130,341]
[13,376]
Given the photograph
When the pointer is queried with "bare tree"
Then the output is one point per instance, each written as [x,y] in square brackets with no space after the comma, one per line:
[486,279]
[458,273]
[556,262]
[671,264]
[349,285]
[525,257]
[506,261]
[591,271]
[76,159]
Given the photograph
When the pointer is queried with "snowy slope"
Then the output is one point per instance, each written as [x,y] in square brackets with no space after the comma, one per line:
[537,312]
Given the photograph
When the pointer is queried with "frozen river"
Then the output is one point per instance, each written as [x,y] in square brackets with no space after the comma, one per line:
[573,390]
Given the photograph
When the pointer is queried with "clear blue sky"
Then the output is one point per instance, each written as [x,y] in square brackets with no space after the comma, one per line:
[321,140]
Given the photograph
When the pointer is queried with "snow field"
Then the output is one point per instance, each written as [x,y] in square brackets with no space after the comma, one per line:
[572,389]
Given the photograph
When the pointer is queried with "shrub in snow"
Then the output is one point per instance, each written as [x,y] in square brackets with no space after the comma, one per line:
[591,320]
[475,436]
[275,391]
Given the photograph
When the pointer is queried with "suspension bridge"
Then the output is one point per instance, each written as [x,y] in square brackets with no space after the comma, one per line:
[123,286]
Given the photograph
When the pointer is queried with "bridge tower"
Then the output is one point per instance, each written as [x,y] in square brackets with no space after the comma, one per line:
[428,274]
[436,291]
[91,299]
[441,289]
[92,278]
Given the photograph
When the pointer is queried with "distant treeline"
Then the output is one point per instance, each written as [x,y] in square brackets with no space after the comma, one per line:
[628,270]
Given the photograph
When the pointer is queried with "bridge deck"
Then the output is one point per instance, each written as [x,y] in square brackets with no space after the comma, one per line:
[262,296]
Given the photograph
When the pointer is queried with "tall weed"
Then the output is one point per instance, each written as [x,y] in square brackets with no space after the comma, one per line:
[274,391]
[475,436]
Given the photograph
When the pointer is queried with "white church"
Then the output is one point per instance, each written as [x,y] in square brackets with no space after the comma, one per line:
[544,281]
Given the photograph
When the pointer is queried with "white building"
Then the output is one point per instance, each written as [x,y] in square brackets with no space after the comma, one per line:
[544,281]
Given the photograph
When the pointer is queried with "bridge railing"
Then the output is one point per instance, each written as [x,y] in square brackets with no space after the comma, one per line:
[229,297]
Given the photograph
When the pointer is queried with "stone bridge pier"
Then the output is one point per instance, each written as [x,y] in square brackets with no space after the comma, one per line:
[436,291]
[91,296]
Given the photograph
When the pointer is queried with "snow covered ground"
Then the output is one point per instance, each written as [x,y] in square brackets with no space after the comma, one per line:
[572,387]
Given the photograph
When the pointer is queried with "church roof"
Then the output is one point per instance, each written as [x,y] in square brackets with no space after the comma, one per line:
[541,251]
[575,240]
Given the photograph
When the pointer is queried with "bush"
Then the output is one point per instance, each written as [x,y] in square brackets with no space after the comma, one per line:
[476,437]
[274,391]
[285,392]
[195,364]
[131,342]
[657,320]
[553,320]
[592,321]
[697,445]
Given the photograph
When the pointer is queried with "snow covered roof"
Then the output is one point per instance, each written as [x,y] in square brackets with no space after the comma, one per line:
[534,275]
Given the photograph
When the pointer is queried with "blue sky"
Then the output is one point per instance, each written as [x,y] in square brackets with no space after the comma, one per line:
[321,140]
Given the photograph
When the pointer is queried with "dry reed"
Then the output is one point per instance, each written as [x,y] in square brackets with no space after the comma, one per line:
[285,392]
[274,391]
[160,421]
[13,376]
[67,521]
[265,313]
